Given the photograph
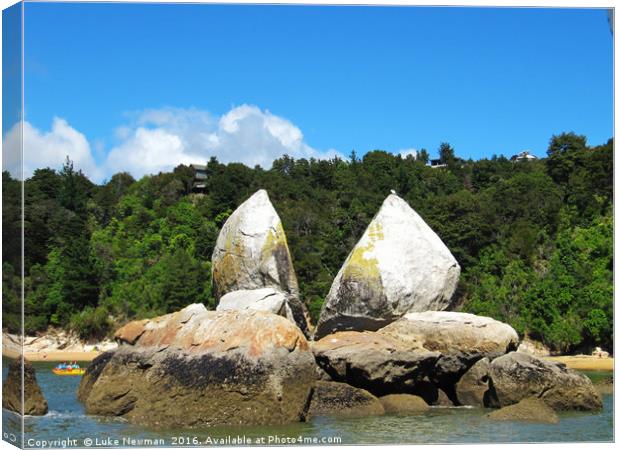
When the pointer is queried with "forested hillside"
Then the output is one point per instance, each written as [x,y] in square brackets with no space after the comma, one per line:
[534,238]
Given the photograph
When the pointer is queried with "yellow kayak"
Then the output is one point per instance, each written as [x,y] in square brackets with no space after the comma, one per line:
[58,371]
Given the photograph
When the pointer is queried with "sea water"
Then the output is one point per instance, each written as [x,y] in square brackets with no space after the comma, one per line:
[66,425]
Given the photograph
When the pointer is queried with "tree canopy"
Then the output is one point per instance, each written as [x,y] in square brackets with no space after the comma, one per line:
[534,238]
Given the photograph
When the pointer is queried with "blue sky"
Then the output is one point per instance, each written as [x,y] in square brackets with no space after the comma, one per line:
[144,86]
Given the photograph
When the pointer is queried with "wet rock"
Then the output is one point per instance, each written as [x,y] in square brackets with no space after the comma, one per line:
[398,266]
[403,404]
[472,388]
[251,253]
[516,376]
[34,401]
[529,409]
[203,368]
[379,363]
[340,399]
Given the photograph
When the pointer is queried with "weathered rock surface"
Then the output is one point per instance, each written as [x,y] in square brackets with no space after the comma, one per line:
[266,299]
[472,388]
[251,252]
[450,332]
[462,339]
[34,401]
[341,399]
[398,266]
[379,363]
[403,404]
[516,376]
[529,409]
[202,368]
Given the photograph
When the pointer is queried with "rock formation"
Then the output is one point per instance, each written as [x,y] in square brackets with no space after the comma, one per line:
[380,364]
[202,368]
[340,399]
[251,252]
[403,404]
[34,401]
[530,409]
[516,376]
[462,339]
[266,299]
[398,266]
[472,388]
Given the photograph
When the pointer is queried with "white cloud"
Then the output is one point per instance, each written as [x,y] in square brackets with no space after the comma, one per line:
[157,140]
[163,138]
[407,152]
[47,149]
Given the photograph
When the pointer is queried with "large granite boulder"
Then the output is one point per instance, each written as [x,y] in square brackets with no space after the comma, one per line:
[201,368]
[462,339]
[529,409]
[251,252]
[398,266]
[378,363]
[34,401]
[339,399]
[516,376]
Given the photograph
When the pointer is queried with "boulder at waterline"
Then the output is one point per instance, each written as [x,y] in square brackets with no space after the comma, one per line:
[340,399]
[529,409]
[461,338]
[251,252]
[472,388]
[516,376]
[379,363]
[403,404]
[266,299]
[34,401]
[202,368]
[398,266]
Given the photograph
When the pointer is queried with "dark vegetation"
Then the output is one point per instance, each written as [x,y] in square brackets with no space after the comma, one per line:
[534,238]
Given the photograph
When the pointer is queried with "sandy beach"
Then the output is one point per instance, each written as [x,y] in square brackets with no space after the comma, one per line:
[57,346]
[55,356]
[584,362]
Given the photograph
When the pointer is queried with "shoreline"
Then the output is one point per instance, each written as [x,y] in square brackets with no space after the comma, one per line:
[576,362]
[53,356]
[584,362]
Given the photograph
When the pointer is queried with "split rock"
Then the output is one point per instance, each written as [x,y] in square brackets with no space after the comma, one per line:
[398,266]
[251,252]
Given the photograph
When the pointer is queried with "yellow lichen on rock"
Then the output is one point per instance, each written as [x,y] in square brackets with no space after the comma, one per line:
[358,265]
[226,270]
[275,238]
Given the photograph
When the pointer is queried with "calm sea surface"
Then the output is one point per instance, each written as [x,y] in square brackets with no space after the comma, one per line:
[66,425]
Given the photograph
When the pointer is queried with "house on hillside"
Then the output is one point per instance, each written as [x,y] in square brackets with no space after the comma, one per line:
[200,178]
[436,163]
[523,156]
